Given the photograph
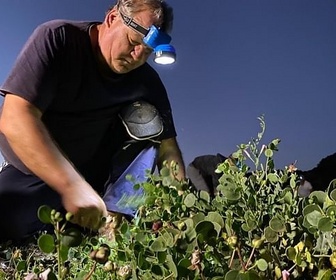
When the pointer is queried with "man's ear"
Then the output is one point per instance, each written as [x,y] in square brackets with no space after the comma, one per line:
[111,16]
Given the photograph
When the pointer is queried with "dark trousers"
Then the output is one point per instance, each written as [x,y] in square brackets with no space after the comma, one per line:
[20,197]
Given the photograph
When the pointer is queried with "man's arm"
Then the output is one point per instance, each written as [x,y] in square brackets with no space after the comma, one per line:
[21,124]
[170,151]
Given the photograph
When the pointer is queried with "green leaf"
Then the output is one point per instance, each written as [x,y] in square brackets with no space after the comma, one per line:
[331,211]
[158,245]
[268,153]
[204,196]
[44,214]
[270,235]
[157,270]
[273,178]
[171,265]
[190,200]
[291,253]
[205,231]
[52,276]
[204,227]
[64,252]
[230,191]
[324,274]
[232,275]
[311,208]
[262,265]
[325,224]
[124,228]
[46,243]
[167,181]
[183,268]
[250,275]
[165,172]
[277,224]
[71,237]
[168,238]
[319,196]
[196,219]
[215,217]
[333,195]
[162,256]
[314,217]
[21,266]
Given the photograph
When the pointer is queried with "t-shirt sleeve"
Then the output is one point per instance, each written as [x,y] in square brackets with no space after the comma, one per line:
[33,76]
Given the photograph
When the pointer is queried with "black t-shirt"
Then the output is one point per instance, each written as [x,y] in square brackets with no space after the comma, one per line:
[57,72]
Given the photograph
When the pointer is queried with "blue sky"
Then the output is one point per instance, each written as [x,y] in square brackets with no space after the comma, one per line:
[237,59]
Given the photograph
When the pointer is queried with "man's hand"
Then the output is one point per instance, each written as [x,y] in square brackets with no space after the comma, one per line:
[170,151]
[86,205]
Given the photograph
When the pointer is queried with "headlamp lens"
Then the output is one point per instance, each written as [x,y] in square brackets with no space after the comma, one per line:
[165,54]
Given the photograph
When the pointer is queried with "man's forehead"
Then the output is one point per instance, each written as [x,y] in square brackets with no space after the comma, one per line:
[146,18]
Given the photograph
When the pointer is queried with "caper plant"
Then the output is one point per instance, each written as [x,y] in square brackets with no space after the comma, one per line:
[255,227]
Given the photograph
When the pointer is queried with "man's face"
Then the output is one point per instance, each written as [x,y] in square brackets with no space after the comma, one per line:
[121,46]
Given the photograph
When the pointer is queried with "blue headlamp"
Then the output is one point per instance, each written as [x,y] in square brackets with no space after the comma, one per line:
[155,39]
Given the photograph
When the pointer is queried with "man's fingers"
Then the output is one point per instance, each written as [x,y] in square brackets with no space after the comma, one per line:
[89,219]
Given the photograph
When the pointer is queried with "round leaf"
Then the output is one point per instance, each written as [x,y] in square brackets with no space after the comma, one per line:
[21,266]
[270,235]
[44,214]
[331,211]
[165,172]
[314,217]
[183,268]
[273,178]
[325,224]
[232,275]
[171,265]
[158,245]
[291,253]
[320,196]
[277,225]
[46,243]
[262,264]
[157,270]
[268,153]
[71,237]
[204,227]
[311,208]
[190,200]
[333,195]
[215,217]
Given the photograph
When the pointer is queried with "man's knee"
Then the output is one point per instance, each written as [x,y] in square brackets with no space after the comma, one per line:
[20,197]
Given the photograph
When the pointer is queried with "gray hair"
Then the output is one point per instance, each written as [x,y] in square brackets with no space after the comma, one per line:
[161,10]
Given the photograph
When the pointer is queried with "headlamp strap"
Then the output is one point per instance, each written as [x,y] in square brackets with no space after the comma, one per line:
[131,23]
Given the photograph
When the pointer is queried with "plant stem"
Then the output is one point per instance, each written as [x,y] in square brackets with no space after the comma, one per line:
[87,277]
[58,250]
[250,258]
[240,258]
[232,257]
[321,256]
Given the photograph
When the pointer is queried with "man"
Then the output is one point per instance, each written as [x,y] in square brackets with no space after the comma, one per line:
[202,175]
[59,120]
[201,172]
